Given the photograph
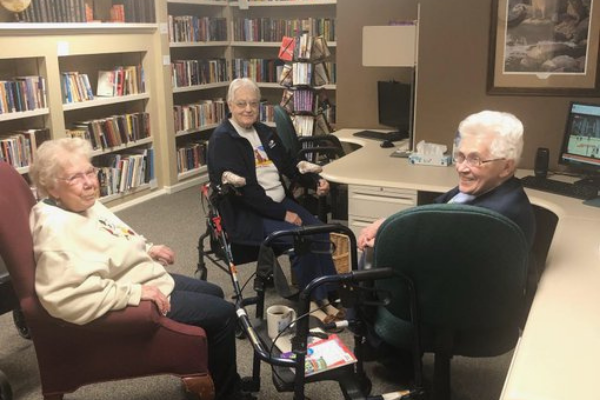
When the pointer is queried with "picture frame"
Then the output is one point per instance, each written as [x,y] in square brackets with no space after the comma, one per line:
[546,48]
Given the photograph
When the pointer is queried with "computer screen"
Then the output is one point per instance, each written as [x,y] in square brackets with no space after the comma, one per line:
[395,105]
[581,142]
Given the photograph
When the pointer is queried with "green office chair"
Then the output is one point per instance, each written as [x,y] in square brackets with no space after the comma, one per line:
[320,149]
[328,147]
[460,285]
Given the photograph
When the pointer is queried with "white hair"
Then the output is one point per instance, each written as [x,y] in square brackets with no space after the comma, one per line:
[240,83]
[50,158]
[507,131]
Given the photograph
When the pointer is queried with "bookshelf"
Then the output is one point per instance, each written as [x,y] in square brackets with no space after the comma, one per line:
[195,43]
[277,19]
[51,50]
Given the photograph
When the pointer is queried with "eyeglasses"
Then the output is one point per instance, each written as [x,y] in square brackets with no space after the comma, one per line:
[244,104]
[472,160]
[80,177]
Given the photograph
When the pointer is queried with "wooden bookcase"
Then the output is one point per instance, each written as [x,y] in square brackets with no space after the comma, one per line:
[50,49]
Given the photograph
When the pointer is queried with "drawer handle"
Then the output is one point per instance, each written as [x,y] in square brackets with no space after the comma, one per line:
[387,199]
[362,222]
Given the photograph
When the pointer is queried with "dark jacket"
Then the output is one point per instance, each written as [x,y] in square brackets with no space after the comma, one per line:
[508,199]
[228,151]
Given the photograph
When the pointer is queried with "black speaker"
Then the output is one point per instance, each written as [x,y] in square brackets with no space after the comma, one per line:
[541,162]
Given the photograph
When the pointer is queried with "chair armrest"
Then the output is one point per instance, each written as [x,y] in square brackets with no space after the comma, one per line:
[133,319]
[144,318]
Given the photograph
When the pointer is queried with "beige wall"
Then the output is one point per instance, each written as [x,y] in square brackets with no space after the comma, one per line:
[453,55]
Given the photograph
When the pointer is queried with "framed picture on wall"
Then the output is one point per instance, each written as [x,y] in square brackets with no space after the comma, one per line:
[544,47]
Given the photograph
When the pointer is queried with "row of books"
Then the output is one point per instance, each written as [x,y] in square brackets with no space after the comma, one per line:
[113,131]
[54,11]
[190,28]
[130,11]
[259,70]
[191,156]
[76,87]
[311,100]
[24,93]
[304,101]
[194,116]
[267,112]
[304,48]
[18,147]
[311,125]
[119,173]
[198,72]
[273,30]
[121,81]
[141,11]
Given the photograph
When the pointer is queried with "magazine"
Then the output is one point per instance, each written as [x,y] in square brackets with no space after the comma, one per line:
[325,354]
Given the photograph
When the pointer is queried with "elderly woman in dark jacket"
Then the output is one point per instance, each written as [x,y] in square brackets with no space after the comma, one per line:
[253,151]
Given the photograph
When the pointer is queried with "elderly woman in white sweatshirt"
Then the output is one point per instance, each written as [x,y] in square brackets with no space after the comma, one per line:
[89,262]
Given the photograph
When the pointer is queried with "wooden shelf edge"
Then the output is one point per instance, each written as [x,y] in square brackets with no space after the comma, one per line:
[221,3]
[216,43]
[285,3]
[128,145]
[195,130]
[14,28]
[103,101]
[24,114]
[183,89]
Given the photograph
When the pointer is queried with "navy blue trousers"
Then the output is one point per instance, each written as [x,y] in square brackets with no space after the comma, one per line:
[308,266]
[200,303]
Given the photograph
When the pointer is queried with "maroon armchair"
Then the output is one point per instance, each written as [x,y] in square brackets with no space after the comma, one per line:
[133,342]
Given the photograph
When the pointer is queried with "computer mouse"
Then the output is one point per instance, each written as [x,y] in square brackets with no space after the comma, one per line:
[386,144]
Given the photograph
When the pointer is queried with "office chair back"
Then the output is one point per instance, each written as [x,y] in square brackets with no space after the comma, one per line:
[468,267]
[286,131]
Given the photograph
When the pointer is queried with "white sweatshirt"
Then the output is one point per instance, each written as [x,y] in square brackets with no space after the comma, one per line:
[90,263]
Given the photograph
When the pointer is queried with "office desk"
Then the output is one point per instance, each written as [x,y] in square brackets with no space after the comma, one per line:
[558,355]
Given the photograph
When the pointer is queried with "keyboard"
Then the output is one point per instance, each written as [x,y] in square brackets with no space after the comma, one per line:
[583,192]
[391,136]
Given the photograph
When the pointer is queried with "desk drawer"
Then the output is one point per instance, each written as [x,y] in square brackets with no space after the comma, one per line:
[374,202]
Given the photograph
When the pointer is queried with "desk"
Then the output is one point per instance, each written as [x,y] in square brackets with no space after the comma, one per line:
[558,354]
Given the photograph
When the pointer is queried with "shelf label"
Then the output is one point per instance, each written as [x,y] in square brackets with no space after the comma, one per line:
[167,60]
[62,48]
[243,4]
[163,28]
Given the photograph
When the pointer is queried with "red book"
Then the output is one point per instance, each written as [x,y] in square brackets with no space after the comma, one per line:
[286,51]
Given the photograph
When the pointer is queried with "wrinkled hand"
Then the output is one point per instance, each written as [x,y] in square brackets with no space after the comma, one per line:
[293,218]
[323,187]
[153,294]
[366,238]
[162,254]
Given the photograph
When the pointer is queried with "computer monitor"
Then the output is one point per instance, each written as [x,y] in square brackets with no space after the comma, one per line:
[395,104]
[580,149]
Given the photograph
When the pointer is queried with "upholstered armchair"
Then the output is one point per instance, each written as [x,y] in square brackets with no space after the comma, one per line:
[133,342]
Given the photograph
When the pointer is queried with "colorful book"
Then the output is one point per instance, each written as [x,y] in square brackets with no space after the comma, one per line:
[286,51]
[325,354]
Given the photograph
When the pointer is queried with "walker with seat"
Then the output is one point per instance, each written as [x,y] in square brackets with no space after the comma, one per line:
[288,373]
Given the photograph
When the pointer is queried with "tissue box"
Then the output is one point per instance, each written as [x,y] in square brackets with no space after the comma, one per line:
[430,159]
